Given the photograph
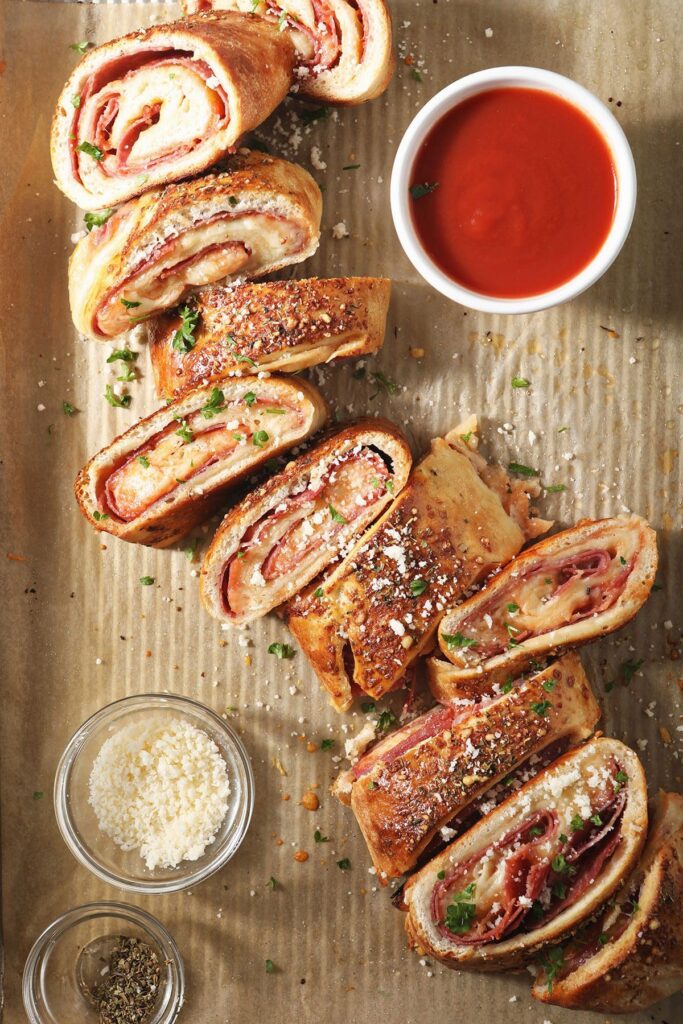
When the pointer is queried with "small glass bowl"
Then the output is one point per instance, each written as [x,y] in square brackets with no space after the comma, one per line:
[78,823]
[67,959]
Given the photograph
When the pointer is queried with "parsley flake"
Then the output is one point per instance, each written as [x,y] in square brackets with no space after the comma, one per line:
[282,651]
[419,191]
[97,219]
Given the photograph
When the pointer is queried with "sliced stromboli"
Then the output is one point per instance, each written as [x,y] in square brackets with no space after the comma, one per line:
[568,589]
[257,216]
[372,617]
[284,534]
[536,867]
[164,103]
[169,471]
[422,776]
[280,325]
[344,48]
[631,955]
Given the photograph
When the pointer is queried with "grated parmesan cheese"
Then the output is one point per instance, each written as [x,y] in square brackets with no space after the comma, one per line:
[160,787]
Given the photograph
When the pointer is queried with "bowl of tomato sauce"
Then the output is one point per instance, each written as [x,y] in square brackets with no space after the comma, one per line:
[513,190]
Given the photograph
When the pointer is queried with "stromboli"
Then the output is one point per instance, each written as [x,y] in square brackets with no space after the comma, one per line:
[164,103]
[169,471]
[257,216]
[344,49]
[536,867]
[570,588]
[370,619]
[280,325]
[631,955]
[421,777]
[287,531]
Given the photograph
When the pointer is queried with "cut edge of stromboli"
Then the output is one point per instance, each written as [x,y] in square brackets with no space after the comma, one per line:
[166,521]
[572,718]
[500,666]
[194,34]
[645,963]
[375,433]
[521,950]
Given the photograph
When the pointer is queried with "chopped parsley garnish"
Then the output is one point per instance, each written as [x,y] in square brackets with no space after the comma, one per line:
[418,191]
[559,864]
[272,884]
[144,461]
[129,304]
[94,151]
[123,355]
[308,116]
[68,409]
[507,686]
[326,744]
[147,581]
[629,669]
[337,516]
[383,383]
[38,794]
[282,21]
[184,339]
[536,830]
[559,890]
[554,962]
[344,864]
[512,608]
[441,875]
[390,486]
[99,516]
[250,398]
[595,819]
[549,685]
[318,592]
[461,911]
[367,706]
[554,488]
[270,967]
[457,640]
[319,837]
[260,438]
[603,938]
[127,376]
[562,837]
[80,47]
[415,75]
[466,437]
[619,779]
[418,587]
[185,432]
[576,823]
[281,651]
[541,707]
[191,550]
[520,382]
[385,720]
[372,785]
[97,219]
[215,403]
[117,401]
[275,412]
[519,469]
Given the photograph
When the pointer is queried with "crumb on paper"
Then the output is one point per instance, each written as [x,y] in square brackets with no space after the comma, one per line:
[340,230]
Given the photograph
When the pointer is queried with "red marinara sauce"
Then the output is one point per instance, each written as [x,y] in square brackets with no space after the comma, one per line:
[525,192]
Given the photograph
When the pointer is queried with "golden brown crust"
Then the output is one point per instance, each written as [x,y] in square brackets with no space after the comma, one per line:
[645,963]
[281,326]
[400,803]
[470,674]
[249,58]
[379,435]
[446,529]
[169,519]
[365,60]
[108,259]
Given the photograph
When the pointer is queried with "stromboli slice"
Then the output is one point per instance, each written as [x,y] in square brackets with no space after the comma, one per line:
[164,103]
[371,618]
[283,534]
[169,471]
[280,325]
[631,955]
[344,48]
[419,778]
[536,867]
[568,589]
[258,215]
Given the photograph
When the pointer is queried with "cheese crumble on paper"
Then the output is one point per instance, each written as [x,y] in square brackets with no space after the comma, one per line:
[160,787]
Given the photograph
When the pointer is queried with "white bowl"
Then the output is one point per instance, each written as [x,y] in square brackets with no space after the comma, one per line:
[519,77]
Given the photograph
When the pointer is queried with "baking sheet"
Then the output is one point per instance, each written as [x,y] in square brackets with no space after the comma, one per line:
[79,631]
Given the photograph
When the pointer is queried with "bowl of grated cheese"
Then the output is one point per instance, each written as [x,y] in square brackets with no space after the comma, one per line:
[154,793]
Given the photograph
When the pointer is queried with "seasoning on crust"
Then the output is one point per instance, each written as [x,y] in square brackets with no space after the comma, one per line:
[284,534]
[284,326]
[530,872]
[570,588]
[257,216]
[165,103]
[421,777]
[344,48]
[631,955]
[170,471]
[372,617]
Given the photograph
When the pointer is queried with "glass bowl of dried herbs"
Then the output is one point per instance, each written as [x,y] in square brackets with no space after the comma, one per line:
[105,963]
